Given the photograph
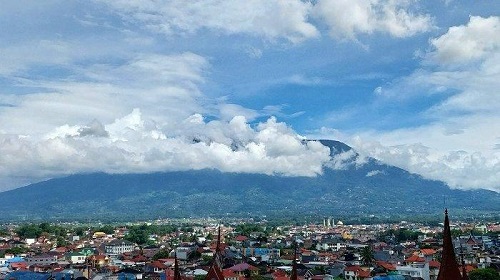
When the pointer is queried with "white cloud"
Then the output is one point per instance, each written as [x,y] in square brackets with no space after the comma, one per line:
[345,160]
[348,18]
[374,173]
[305,81]
[270,19]
[458,168]
[274,19]
[16,58]
[143,114]
[160,83]
[467,43]
[459,144]
[229,111]
[135,144]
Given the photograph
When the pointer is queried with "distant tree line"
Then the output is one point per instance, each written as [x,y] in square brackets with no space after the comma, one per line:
[400,235]
[140,233]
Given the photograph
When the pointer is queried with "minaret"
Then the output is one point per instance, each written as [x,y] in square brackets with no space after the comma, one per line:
[215,271]
[449,269]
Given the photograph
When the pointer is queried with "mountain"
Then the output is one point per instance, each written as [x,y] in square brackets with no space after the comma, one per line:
[372,188]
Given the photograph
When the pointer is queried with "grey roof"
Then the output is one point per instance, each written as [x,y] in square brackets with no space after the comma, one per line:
[119,242]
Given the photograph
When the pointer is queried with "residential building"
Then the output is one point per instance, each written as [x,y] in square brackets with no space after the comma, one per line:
[118,246]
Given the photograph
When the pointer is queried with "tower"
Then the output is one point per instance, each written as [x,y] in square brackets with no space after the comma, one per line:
[293,276]
[215,271]
[177,273]
[449,269]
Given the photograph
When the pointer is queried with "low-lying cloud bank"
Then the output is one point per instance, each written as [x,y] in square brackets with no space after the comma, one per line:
[134,145]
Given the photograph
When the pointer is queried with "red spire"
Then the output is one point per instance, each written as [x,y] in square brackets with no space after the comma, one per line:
[293,276]
[177,273]
[215,271]
[449,269]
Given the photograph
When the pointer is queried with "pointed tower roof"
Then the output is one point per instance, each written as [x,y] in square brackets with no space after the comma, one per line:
[177,273]
[215,271]
[293,276]
[449,269]
[464,270]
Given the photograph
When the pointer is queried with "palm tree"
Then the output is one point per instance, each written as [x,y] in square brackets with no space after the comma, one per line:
[367,255]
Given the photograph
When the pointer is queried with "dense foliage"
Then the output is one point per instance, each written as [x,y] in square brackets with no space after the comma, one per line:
[400,235]
[246,229]
[140,234]
[37,230]
[484,274]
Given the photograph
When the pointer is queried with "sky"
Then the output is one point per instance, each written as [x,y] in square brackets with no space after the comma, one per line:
[138,86]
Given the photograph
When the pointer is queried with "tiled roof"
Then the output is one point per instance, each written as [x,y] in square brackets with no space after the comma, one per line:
[386,265]
[353,268]
[242,267]
[228,273]
[428,252]
[364,274]
[241,238]
[414,258]
[434,264]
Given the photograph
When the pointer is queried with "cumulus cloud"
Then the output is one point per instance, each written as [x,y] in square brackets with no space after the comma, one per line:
[143,114]
[135,144]
[467,43]
[347,18]
[270,19]
[458,168]
[458,143]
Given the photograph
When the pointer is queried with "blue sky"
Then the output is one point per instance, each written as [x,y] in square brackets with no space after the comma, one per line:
[125,86]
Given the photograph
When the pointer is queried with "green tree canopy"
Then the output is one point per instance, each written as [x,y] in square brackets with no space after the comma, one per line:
[162,254]
[367,255]
[484,274]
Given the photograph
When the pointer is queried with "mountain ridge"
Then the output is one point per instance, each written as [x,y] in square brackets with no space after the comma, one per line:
[372,188]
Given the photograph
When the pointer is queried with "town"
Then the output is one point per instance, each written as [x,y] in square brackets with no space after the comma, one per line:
[246,249]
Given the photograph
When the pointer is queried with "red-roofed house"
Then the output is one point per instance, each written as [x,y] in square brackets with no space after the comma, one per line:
[19,265]
[156,267]
[427,254]
[242,267]
[414,259]
[229,274]
[434,269]
[241,238]
[387,266]
[355,272]
[434,264]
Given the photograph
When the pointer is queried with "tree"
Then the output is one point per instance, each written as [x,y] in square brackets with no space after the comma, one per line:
[108,229]
[137,235]
[4,232]
[484,274]
[162,254]
[29,231]
[61,242]
[15,250]
[199,277]
[367,255]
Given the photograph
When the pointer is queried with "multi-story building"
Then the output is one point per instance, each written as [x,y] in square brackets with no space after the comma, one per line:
[44,259]
[118,246]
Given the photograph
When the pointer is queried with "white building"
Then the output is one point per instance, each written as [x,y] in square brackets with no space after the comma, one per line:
[117,247]
[416,269]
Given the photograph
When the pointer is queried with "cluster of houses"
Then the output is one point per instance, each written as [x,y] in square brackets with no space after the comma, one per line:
[311,252]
